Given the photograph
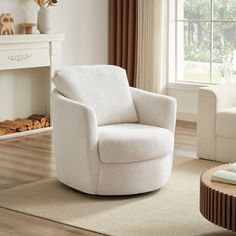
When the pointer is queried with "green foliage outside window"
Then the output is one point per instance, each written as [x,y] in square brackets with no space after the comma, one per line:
[198,34]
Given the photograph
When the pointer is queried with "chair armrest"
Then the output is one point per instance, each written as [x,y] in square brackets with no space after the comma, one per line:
[210,101]
[155,109]
[75,139]
[222,96]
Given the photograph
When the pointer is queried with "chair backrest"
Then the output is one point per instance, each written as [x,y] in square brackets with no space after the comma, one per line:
[105,88]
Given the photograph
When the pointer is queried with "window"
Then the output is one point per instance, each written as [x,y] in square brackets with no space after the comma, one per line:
[205,47]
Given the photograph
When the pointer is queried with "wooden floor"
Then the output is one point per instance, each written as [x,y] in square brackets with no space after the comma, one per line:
[30,159]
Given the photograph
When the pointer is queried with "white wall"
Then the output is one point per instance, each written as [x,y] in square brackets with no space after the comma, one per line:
[85,23]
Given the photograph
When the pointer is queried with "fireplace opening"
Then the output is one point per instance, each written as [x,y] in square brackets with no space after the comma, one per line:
[24,102]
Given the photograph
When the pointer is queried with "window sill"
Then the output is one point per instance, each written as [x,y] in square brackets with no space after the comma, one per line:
[186,86]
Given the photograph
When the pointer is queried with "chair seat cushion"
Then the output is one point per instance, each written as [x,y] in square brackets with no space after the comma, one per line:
[226,123]
[133,142]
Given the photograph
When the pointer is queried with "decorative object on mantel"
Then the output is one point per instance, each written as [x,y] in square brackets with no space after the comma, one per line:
[27,28]
[20,124]
[6,24]
[44,18]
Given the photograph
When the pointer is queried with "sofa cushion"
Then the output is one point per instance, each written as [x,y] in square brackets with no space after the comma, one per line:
[226,123]
[103,87]
[123,143]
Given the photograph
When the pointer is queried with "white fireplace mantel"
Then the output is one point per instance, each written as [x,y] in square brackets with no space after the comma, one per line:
[29,51]
[25,52]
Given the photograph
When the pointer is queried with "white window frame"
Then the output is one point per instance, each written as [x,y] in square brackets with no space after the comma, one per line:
[175,66]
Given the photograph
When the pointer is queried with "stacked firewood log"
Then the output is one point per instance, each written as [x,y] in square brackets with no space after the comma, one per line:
[20,124]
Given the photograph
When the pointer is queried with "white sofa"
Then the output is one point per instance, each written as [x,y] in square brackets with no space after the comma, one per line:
[216,128]
[110,139]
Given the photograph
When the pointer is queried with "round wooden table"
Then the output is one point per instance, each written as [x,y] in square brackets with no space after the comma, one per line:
[218,200]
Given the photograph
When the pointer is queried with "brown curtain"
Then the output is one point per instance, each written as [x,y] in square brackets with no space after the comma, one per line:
[123,36]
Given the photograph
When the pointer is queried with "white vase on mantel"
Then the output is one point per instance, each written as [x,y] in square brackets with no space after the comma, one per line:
[44,21]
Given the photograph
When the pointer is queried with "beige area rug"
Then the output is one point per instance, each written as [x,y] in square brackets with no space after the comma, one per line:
[173,210]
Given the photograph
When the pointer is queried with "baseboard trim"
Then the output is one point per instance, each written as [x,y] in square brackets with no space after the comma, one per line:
[185,116]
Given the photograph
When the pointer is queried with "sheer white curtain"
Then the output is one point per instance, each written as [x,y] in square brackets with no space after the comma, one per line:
[152,42]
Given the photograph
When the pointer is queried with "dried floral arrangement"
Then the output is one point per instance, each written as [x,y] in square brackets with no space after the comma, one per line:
[46,3]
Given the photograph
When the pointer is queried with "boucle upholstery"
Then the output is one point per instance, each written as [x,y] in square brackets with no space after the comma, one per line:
[138,177]
[155,109]
[102,87]
[123,143]
[112,159]
[216,132]
[226,123]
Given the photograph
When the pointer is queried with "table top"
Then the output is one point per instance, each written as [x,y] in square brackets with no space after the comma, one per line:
[228,189]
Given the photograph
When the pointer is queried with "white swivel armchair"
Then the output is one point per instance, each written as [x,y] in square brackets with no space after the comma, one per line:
[216,128]
[110,139]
